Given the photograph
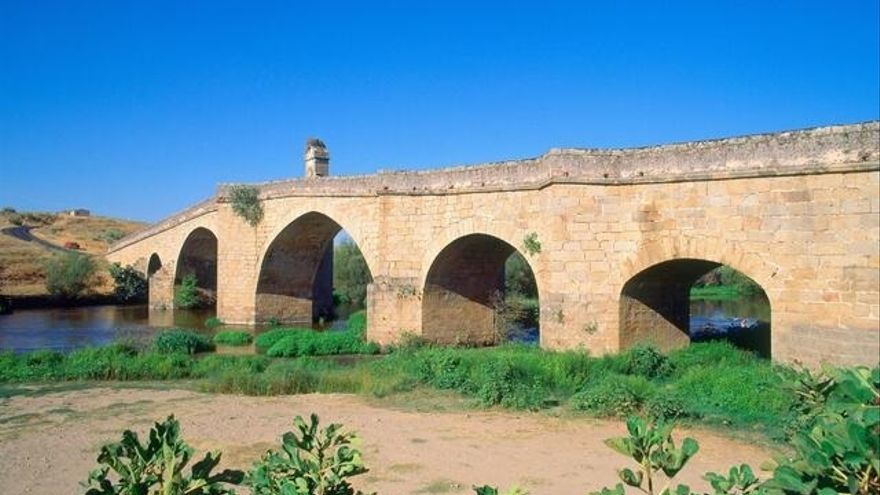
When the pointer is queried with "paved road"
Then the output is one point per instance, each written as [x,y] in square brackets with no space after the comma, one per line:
[24,234]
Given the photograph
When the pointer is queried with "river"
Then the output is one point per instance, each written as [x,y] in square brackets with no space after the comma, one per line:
[63,329]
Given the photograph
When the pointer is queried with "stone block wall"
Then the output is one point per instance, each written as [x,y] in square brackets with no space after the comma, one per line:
[798,212]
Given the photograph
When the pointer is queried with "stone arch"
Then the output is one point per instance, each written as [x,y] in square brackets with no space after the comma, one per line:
[295,281]
[655,308]
[459,288]
[723,252]
[198,257]
[359,230]
[153,265]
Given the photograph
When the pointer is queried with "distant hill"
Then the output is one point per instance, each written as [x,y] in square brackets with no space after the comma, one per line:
[29,239]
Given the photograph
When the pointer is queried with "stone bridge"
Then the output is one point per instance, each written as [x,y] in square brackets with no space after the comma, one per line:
[623,235]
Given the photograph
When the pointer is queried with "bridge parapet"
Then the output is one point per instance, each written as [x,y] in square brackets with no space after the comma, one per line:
[820,150]
[202,208]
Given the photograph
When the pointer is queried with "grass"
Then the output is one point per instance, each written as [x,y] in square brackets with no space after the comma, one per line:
[233,338]
[708,383]
[716,293]
[294,342]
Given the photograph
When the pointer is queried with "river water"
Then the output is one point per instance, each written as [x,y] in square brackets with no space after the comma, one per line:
[63,329]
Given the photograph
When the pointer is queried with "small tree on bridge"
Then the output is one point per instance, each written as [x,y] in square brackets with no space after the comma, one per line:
[246,203]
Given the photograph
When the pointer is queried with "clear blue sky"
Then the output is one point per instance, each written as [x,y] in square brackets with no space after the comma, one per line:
[138,109]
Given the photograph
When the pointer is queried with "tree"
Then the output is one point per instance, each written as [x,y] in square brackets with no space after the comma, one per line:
[350,274]
[130,284]
[69,274]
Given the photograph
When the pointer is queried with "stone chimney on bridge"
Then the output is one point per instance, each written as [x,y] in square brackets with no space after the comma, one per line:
[317,159]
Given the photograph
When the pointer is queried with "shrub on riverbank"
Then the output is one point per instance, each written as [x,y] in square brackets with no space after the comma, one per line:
[233,337]
[294,342]
[182,341]
[68,275]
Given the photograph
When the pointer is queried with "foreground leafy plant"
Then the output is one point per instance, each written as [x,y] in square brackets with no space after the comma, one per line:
[157,467]
[840,452]
[653,449]
[491,490]
[311,462]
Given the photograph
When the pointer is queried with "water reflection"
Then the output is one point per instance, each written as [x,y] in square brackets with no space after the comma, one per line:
[744,321]
[63,329]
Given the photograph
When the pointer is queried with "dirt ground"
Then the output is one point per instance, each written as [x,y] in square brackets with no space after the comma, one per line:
[49,440]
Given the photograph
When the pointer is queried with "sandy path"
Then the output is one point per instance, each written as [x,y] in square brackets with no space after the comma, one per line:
[49,442]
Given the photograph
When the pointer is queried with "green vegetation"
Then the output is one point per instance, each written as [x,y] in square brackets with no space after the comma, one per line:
[158,466]
[233,337]
[30,218]
[724,283]
[68,275]
[187,294]
[516,308]
[710,383]
[182,341]
[836,451]
[310,461]
[246,203]
[110,235]
[653,449]
[531,244]
[350,275]
[213,322]
[294,342]
[129,284]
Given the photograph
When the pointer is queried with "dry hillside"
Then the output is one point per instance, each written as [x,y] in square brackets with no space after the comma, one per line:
[22,260]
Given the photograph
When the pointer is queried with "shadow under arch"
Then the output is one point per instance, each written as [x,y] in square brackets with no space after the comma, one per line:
[655,309]
[462,286]
[198,258]
[153,265]
[295,283]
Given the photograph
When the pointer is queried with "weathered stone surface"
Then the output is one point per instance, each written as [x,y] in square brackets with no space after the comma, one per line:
[796,211]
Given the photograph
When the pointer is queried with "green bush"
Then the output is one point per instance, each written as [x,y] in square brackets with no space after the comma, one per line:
[129,284]
[267,339]
[613,395]
[246,203]
[504,383]
[187,294]
[441,368]
[357,323]
[68,275]
[213,322]
[293,342]
[182,341]
[646,361]
[350,274]
[666,405]
[111,235]
[312,343]
[233,337]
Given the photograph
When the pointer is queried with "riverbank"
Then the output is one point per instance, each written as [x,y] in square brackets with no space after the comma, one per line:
[710,384]
[419,444]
